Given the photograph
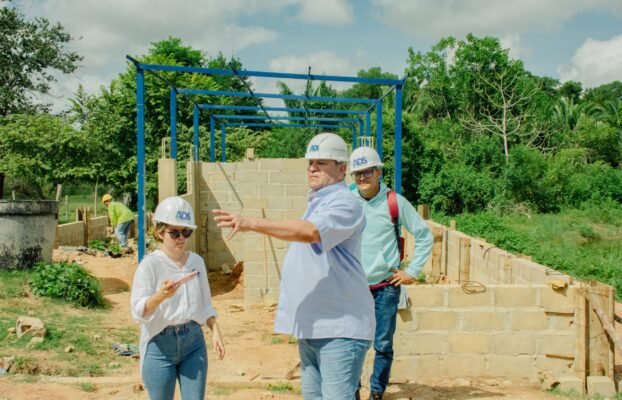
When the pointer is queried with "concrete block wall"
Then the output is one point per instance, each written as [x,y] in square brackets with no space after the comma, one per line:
[72,233]
[504,331]
[274,188]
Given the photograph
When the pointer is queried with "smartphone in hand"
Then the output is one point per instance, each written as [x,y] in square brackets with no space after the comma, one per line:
[186,278]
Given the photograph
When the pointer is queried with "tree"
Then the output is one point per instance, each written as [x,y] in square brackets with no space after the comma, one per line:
[571,90]
[29,53]
[608,92]
[39,151]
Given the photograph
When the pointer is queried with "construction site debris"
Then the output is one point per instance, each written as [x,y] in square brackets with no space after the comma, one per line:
[30,325]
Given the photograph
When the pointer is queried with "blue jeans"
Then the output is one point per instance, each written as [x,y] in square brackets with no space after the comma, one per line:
[386,300]
[331,368]
[122,231]
[176,353]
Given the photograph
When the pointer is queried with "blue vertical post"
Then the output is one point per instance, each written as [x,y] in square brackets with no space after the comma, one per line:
[397,185]
[353,129]
[368,123]
[379,128]
[173,111]
[196,132]
[140,157]
[223,156]
[212,139]
[360,128]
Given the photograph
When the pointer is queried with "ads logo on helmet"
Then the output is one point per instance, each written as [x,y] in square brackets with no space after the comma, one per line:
[314,147]
[183,215]
[357,162]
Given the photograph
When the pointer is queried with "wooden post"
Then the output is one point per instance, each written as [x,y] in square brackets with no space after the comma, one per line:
[582,339]
[464,263]
[452,224]
[437,252]
[59,191]
[600,347]
[87,226]
[424,211]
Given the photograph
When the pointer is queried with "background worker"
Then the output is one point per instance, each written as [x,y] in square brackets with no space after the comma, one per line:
[121,220]
[380,255]
[324,299]
[171,301]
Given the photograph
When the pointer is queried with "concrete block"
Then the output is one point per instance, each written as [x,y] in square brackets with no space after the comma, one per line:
[422,343]
[446,320]
[563,343]
[271,190]
[287,177]
[253,295]
[421,367]
[249,163]
[520,367]
[469,343]
[279,203]
[514,343]
[300,203]
[457,297]
[600,385]
[426,295]
[570,384]
[486,321]
[528,320]
[292,214]
[513,296]
[561,322]
[555,365]
[296,190]
[247,189]
[557,301]
[296,164]
[463,365]
[251,177]
[266,164]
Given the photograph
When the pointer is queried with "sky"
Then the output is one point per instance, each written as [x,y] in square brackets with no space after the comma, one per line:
[578,40]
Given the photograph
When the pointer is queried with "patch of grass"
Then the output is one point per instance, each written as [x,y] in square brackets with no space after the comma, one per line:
[277,340]
[87,387]
[281,387]
[221,391]
[81,197]
[14,284]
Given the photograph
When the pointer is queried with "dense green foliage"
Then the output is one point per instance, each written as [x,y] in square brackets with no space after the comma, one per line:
[69,282]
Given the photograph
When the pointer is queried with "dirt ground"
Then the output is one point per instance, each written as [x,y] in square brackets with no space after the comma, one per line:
[256,363]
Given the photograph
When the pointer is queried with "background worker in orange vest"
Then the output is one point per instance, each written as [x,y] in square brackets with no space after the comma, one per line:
[381,255]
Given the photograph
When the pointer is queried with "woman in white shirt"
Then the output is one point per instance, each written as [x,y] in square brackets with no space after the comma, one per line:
[170,300]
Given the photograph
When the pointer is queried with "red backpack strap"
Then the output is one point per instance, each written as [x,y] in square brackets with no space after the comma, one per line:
[393,210]
[394,213]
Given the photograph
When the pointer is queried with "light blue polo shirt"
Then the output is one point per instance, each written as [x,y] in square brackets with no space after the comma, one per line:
[324,291]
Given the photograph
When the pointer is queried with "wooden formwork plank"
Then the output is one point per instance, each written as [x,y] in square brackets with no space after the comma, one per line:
[464,264]
[600,350]
[580,321]
[437,251]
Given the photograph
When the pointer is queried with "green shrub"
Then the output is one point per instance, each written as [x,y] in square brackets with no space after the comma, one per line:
[97,245]
[67,281]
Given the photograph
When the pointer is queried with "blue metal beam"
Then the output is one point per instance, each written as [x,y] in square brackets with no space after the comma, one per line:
[278,75]
[397,157]
[379,128]
[173,111]
[276,96]
[196,133]
[257,124]
[212,138]
[140,159]
[284,109]
[259,117]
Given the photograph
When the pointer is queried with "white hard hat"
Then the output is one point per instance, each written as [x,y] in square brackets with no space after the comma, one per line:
[327,146]
[364,158]
[175,211]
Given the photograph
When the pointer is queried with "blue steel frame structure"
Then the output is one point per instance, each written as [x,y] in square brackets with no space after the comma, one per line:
[141,68]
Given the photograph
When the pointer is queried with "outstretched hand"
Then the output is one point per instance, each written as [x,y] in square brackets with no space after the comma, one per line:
[400,277]
[236,222]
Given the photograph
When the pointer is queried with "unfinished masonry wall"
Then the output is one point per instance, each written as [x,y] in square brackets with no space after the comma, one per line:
[79,233]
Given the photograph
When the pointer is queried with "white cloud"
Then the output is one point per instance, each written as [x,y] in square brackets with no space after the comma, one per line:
[513,43]
[105,31]
[325,12]
[435,19]
[595,62]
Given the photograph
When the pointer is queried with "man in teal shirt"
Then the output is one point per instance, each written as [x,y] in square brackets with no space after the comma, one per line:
[121,219]
[380,256]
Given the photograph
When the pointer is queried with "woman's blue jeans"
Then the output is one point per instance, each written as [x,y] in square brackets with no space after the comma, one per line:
[386,300]
[331,368]
[176,353]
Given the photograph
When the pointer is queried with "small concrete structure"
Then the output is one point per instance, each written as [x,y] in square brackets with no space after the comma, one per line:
[27,232]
